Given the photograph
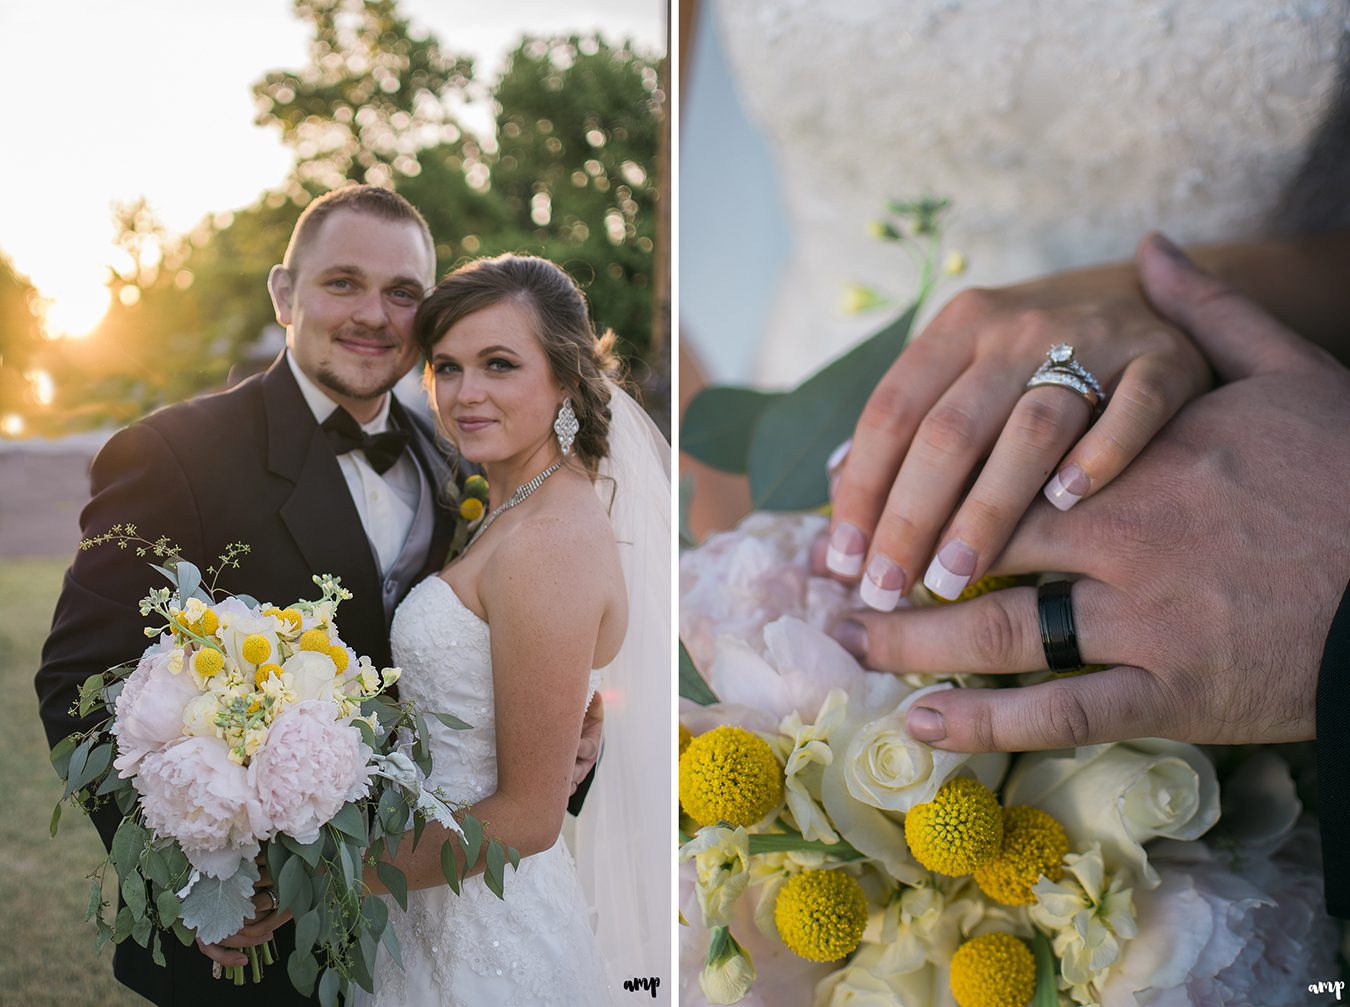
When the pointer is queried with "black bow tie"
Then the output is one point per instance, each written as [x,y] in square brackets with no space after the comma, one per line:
[381,450]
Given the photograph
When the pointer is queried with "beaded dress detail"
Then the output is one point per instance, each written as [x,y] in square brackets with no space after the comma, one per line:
[536,947]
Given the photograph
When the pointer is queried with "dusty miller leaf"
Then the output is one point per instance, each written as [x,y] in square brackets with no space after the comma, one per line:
[216,908]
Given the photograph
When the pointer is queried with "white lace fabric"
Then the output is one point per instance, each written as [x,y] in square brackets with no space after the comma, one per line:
[1063,130]
[534,948]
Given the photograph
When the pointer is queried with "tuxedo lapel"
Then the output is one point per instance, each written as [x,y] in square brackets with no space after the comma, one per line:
[439,470]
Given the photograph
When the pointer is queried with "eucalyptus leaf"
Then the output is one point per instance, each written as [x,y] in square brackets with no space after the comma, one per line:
[141,931]
[122,925]
[393,879]
[473,839]
[126,799]
[157,950]
[76,766]
[367,733]
[419,826]
[105,933]
[692,685]
[448,866]
[306,932]
[128,842]
[189,579]
[156,868]
[169,574]
[167,907]
[328,988]
[185,936]
[452,722]
[60,755]
[376,914]
[112,782]
[513,857]
[95,898]
[293,892]
[351,821]
[796,433]
[309,852]
[216,907]
[277,855]
[392,810]
[303,970]
[55,822]
[718,422]
[494,876]
[133,894]
[390,940]
[363,962]
[345,865]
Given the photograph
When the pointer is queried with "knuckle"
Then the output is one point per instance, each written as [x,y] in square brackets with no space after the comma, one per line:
[1037,325]
[1146,398]
[970,304]
[948,430]
[1067,719]
[981,727]
[1037,421]
[995,636]
[887,410]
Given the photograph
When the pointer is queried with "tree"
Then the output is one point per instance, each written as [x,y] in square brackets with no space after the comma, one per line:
[21,338]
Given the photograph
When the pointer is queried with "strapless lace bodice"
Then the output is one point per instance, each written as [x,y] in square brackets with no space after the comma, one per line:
[536,947]
[1062,129]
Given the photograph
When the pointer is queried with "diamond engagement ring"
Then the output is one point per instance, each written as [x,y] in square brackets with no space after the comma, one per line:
[1060,368]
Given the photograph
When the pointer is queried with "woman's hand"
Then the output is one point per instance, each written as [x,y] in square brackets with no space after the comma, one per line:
[257,929]
[955,398]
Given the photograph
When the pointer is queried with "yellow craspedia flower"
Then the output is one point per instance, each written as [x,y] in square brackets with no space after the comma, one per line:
[256,648]
[686,736]
[207,662]
[821,915]
[729,775]
[960,829]
[210,622]
[471,509]
[266,671]
[994,970]
[339,656]
[1033,844]
[982,586]
[315,639]
[290,616]
[477,487]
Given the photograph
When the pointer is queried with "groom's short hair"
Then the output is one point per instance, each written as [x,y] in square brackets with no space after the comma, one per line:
[371,199]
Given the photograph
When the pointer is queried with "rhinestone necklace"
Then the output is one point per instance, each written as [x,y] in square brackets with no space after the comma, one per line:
[518,496]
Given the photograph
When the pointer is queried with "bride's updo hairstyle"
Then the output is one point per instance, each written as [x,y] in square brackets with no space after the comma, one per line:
[581,360]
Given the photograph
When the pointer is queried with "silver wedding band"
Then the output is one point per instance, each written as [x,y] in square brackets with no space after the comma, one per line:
[1063,371]
[276,902]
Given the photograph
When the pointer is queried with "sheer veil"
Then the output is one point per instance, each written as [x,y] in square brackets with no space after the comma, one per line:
[622,834]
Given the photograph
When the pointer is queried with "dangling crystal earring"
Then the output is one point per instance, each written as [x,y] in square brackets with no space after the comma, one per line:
[566,426]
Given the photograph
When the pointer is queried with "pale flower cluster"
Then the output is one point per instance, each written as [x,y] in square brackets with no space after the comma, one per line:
[239,723]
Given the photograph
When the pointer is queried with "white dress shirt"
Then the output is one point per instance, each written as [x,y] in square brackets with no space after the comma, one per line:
[386,503]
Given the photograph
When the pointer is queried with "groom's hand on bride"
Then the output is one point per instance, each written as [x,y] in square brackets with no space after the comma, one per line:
[588,748]
[1211,569]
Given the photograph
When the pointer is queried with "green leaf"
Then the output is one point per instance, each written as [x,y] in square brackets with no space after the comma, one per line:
[78,758]
[367,733]
[718,423]
[133,894]
[473,839]
[513,856]
[796,433]
[350,820]
[112,782]
[494,876]
[309,852]
[185,936]
[328,988]
[141,931]
[364,961]
[105,933]
[345,865]
[157,950]
[448,866]
[217,907]
[128,842]
[95,899]
[167,906]
[156,868]
[392,810]
[55,822]
[293,887]
[90,690]
[60,755]
[419,826]
[692,685]
[277,855]
[303,969]
[306,932]
[393,879]
[376,915]
[188,579]
[1047,990]
[122,925]
[179,868]
[390,941]
[452,722]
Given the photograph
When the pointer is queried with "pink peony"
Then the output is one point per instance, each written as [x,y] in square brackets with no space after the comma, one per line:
[148,713]
[309,767]
[194,793]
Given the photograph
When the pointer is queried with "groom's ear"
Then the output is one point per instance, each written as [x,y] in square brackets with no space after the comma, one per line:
[279,285]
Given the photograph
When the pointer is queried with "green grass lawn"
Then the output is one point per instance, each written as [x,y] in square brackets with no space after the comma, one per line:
[48,955]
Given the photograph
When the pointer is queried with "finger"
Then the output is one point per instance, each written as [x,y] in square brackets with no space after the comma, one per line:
[1042,426]
[904,396]
[1239,338]
[228,957]
[1109,705]
[949,443]
[1147,396]
[996,633]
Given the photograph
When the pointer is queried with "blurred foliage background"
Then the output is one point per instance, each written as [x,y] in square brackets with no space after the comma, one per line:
[572,171]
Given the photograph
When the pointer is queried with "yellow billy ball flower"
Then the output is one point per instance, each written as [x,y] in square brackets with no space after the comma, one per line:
[994,970]
[290,616]
[210,622]
[821,915]
[256,648]
[315,639]
[207,662]
[960,829]
[476,487]
[339,656]
[471,509]
[686,736]
[1033,844]
[266,671]
[729,775]
[982,586]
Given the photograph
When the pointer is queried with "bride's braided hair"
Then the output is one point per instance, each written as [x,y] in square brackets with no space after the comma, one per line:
[580,359]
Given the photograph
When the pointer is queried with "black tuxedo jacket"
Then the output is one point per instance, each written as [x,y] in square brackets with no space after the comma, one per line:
[246,465]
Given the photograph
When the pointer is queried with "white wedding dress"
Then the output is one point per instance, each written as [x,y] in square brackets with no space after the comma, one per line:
[536,946]
[1062,130]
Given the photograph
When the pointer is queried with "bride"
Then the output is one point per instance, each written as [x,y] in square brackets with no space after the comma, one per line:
[561,591]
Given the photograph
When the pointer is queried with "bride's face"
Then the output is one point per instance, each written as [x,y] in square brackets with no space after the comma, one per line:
[494,388]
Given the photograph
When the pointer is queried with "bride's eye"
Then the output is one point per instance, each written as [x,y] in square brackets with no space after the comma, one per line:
[500,364]
[444,367]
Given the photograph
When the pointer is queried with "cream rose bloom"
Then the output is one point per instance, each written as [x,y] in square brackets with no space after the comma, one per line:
[1121,795]
[199,718]
[722,861]
[312,676]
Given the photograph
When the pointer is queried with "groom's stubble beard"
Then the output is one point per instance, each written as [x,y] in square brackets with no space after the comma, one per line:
[329,377]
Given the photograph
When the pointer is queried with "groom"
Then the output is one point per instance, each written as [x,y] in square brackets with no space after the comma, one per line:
[313,464]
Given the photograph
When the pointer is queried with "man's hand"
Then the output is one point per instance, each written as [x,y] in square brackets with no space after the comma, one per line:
[588,749]
[1212,566]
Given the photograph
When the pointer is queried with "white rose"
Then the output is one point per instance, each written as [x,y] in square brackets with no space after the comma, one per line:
[722,859]
[199,719]
[1121,795]
[313,675]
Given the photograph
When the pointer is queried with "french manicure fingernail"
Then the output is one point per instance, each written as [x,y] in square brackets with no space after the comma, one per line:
[847,547]
[1067,486]
[883,585]
[852,636]
[1164,244]
[950,571]
[837,456]
[926,724]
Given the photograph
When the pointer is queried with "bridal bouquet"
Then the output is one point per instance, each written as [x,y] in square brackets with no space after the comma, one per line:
[829,859]
[250,734]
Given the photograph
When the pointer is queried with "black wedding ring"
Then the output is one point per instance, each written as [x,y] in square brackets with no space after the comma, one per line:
[1054,607]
